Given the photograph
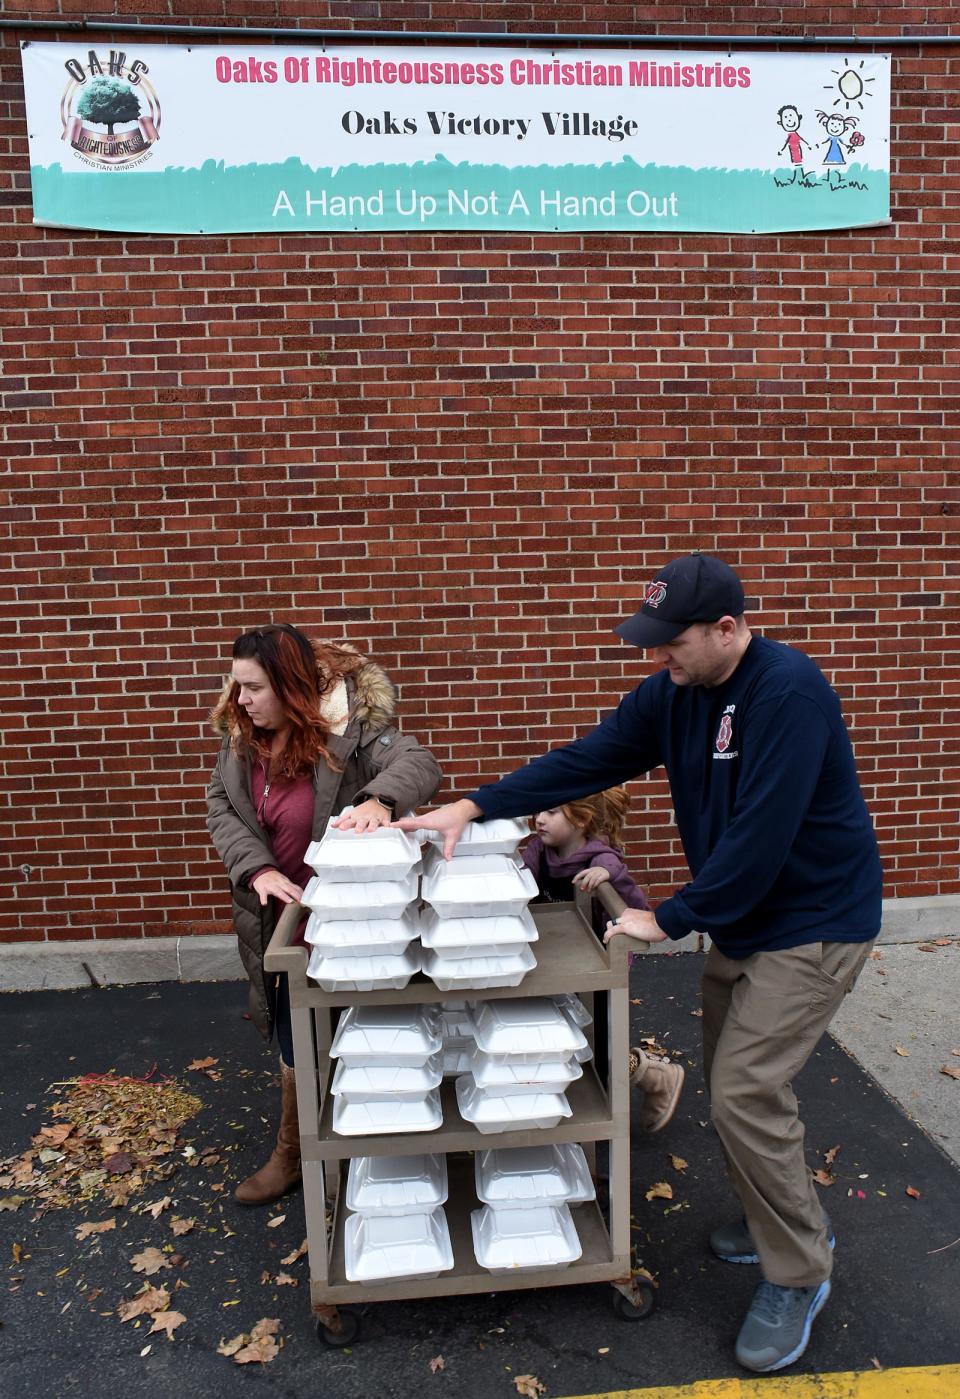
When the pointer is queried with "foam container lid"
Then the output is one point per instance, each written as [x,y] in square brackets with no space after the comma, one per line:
[392,1185]
[502,969]
[574,1009]
[515,1177]
[362,936]
[396,1246]
[525,1025]
[456,1022]
[502,932]
[456,1061]
[554,1076]
[357,901]
[533,1238]
[477,886]
[387,1035]
[498,837]
[410,1080]
[360,1119]
[364,973]
[494,1113]
[344,855]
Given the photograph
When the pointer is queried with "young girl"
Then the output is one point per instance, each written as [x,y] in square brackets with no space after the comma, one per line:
[577,846]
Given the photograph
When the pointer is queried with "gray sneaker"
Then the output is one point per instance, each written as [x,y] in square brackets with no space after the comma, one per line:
[777,1326]
[733,1242]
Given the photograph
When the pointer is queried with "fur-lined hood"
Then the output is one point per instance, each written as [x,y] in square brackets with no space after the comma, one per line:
[364,693]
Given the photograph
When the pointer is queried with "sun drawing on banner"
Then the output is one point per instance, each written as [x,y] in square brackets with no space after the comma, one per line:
[851,86]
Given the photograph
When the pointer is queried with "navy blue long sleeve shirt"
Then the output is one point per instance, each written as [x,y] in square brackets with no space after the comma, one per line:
[765,791]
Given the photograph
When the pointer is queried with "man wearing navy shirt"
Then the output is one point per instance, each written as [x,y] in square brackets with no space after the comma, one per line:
[786,881]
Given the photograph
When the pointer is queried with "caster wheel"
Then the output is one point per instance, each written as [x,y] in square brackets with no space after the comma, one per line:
[627,1310]
[348,1333]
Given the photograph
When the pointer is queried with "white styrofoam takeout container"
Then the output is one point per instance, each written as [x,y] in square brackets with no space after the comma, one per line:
[344,856]
[498,837]
[379,1247]
[517,1112]
[378,1035]
[361,900]
[369,1083]
[356,1119]
[534,1238]
[370,973]
[574,1009]
[494,1076]
[361,937]
[516,1177]
[505,933]
[451,974]
[456,1060]
[392,1185]
[477,886]
[528,1029]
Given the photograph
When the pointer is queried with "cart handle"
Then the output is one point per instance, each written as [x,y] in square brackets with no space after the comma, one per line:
[615,905]
[280,956]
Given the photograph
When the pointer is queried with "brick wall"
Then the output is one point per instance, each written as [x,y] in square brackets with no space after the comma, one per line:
[466,453]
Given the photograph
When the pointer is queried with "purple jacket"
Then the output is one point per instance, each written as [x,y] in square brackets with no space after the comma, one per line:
[554,875]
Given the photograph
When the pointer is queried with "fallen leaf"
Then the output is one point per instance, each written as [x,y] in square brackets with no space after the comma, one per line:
[260,1346]
[202,1064]
[151,1299]
[831,1155]
[56,1135]
[899,1049]
[182,1226]
[285,1280]
[297,1253]
[118,1164]
[12,1202]
[273,1223]
[942,942]
[914,1194]
[146,1351]
[926,947]
[166,1321]
[158,1207]
[529,1386]
[17,1251]
[604,1350]
[662,1190]
[824,1178]
[232,1346]
[85,1230]
[150,1261]
[678,1163]
[438,1363]
[950,1070]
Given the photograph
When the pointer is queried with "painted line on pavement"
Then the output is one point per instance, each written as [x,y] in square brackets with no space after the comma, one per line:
[920,1382]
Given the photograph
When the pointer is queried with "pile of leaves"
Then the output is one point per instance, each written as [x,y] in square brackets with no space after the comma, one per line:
[115,1136]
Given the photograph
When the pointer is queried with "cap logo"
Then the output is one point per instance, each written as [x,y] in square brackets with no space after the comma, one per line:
[655,594]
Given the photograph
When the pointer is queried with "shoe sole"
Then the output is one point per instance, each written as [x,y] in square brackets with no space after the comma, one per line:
[753,1257]
[813,1311]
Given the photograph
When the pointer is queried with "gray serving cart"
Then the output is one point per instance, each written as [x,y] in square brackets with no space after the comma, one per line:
[569,958]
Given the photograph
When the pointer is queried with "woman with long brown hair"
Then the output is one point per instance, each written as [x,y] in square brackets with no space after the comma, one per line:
[307,730]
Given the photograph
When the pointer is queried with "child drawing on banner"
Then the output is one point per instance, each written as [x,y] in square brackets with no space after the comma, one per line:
[789,119]
[836,126]
[577,846]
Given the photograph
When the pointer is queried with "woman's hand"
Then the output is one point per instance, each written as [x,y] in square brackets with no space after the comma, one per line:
[368,816]
[589,879]
[273,884]
[636,923]
[450,820]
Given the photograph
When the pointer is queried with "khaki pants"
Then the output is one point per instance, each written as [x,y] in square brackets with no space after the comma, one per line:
[762,1017]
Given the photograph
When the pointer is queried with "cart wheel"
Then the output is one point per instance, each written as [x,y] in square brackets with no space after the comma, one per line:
[348,1333]
[628,1310]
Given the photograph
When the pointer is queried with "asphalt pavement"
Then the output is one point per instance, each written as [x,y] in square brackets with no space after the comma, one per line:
[890,1123]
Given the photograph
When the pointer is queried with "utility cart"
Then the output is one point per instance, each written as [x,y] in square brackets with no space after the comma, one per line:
[569,958]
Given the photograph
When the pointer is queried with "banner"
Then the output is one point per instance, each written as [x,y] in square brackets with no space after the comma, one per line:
[211,139]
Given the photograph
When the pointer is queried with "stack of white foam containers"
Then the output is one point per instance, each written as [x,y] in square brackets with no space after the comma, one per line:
[389,1070]
[527,1053]
[477,929]
[397,1228]
[525,1221]
[362,929]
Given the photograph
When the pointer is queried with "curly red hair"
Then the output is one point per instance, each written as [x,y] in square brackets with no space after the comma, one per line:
[601,816]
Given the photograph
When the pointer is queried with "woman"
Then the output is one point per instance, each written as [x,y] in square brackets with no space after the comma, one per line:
[307,731]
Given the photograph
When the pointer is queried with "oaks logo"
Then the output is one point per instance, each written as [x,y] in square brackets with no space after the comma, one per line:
[654,595]
[110,111]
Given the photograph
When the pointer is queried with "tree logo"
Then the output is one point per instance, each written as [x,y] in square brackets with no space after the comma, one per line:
[110,111]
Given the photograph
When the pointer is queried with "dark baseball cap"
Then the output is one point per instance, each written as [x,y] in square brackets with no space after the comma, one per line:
[696,588]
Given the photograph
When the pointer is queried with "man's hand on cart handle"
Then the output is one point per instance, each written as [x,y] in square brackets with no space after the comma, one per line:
[450,820]
[274,884]
[636,923]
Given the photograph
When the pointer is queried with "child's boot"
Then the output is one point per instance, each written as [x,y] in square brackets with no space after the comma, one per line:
[660,1081]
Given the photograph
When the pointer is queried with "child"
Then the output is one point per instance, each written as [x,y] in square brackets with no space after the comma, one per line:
[577,846]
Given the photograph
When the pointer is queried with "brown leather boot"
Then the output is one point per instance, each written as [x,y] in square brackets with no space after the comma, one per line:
[281,1174]
[660,1081]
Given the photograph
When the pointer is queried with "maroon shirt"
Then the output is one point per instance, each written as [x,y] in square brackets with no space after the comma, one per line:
[286,815]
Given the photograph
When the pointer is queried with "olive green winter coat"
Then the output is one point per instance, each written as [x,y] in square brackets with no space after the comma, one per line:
[374,758]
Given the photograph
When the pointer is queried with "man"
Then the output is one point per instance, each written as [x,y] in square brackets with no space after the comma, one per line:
[786,880]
